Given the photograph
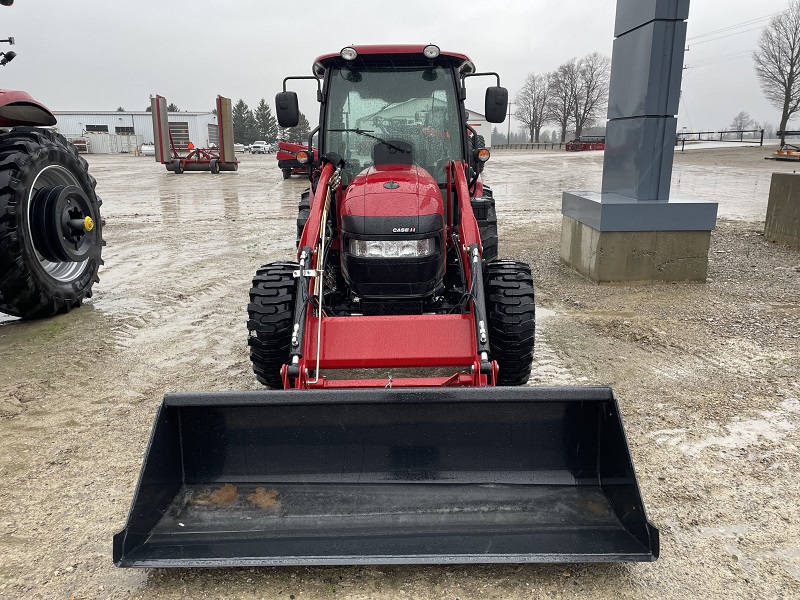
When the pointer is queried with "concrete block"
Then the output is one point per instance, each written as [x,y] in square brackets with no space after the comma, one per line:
[612,212]
[783,210]
[635,256]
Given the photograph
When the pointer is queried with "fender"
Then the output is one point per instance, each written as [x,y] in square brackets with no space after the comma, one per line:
[19,108]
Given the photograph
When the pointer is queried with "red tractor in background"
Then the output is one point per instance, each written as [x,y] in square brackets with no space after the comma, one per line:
[287,159]
[50,225]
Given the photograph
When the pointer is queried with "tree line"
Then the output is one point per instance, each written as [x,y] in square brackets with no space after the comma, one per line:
[260,124]
[574,97]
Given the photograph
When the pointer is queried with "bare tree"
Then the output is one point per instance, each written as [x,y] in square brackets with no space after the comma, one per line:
[591,90]
[563,91]
[531,102]
[777,62]
[741,122]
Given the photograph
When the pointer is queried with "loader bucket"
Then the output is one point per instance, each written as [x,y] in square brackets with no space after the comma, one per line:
[426,475]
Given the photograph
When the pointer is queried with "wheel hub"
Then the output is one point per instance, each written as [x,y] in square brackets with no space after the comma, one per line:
[63,225]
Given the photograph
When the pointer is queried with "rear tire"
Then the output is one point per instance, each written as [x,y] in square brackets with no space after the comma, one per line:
[46,268]
[511,312]
[176,166]
[213,166]
[270,321]
[286,173]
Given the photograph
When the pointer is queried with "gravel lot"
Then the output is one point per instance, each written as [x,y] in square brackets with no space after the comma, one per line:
[707,377]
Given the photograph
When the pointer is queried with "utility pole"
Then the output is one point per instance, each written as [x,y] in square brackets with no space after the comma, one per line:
[508,137]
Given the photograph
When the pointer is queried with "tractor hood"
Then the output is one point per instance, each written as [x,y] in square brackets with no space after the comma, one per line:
[392,199]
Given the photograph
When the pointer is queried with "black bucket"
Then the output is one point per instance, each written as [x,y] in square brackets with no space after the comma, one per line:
[341,477]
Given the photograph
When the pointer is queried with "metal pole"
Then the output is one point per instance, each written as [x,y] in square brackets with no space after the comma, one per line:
[508,137]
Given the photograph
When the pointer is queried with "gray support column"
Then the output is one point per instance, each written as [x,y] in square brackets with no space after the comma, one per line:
[646,69]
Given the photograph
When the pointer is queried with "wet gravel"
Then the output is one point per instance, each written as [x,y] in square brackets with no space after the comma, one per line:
[706,376]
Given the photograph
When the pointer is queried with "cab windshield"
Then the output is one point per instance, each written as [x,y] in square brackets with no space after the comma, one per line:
[397,107]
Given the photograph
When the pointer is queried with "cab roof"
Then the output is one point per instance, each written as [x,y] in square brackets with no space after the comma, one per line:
[369,53]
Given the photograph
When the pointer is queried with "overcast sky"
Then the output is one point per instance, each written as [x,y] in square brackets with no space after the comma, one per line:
[101,54]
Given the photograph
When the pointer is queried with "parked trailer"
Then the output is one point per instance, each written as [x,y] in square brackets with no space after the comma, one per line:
[195,159]
[586,142]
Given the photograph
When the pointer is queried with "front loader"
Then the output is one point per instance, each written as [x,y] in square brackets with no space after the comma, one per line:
[401,430]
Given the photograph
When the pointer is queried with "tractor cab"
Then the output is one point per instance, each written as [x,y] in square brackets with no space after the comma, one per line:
[401,104]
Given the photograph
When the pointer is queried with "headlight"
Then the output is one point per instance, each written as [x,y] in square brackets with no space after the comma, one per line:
[392,248]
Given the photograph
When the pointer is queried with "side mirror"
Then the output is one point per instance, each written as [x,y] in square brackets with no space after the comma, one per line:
[496,104]
[287,110]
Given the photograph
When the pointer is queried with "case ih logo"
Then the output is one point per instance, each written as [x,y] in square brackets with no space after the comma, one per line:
[404,230]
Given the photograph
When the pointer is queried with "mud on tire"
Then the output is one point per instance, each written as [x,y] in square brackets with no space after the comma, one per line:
[270,321]
[511,312]
[34,160]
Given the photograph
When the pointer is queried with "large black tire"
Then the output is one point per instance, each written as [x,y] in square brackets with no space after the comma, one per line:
[511,311]
[41,174]
[303,212]
[270,321]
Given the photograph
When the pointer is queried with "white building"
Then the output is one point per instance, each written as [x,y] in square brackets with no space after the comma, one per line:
[112,131]
[479,123]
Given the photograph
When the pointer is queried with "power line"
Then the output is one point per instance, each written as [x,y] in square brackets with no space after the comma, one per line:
[730,27]
[728,35]
[713,60]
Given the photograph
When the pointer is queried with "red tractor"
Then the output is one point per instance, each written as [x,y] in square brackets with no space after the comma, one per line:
[388,238]
[50,226]
[287,159]
[391,439]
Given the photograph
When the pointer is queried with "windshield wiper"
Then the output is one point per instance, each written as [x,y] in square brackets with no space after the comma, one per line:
[368,133]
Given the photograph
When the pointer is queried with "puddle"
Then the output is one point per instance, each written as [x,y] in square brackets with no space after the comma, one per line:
[773,426]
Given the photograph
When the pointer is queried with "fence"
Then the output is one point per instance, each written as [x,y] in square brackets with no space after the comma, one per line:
[530,146]
[720,136]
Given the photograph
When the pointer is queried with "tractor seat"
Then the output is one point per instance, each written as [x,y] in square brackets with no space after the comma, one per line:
[385,154]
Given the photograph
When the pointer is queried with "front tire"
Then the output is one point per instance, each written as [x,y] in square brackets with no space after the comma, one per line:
[286,173]
[50,225]
[511,312]
[270,322]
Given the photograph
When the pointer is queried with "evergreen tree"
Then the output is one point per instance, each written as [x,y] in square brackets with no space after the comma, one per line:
[240,125]
[173,108]
[298,134]
[266,125]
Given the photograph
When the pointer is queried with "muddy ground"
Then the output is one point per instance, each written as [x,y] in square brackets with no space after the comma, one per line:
[707,377]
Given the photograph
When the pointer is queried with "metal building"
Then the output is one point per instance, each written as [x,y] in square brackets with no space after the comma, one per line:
[479,123]
[108,132]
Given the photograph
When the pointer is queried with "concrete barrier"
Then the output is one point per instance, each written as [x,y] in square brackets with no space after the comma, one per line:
[783,210]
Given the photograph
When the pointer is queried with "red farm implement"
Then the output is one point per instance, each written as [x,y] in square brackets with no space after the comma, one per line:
[177,159]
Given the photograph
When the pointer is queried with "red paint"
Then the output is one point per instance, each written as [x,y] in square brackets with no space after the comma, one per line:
[398,341]
[417,193]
